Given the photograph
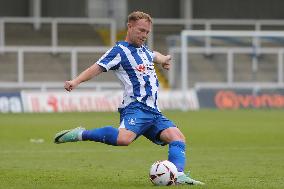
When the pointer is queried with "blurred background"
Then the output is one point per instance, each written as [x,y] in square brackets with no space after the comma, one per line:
[226,54]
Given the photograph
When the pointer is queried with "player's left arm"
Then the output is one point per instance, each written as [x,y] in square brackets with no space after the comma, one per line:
[164,60]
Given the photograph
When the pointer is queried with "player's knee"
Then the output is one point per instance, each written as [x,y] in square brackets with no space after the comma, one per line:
[172,134]
[181,136]
[178,137]
[124,141]
[125,137]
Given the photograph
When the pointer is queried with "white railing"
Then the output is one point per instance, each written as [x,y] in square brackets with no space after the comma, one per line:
[54,22]
[22,84]
[208,24]
[230,51]
[212,24]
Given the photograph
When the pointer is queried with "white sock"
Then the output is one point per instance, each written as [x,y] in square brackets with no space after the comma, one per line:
[80,136]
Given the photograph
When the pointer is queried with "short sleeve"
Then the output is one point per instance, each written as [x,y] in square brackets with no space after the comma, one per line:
[110,60]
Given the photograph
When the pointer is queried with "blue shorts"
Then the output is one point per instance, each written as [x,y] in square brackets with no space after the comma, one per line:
[145,121]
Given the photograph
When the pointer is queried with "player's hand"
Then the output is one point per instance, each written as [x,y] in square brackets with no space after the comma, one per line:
[167,62]
[69,85]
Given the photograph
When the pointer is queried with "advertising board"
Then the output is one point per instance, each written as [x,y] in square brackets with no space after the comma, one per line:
[241,98]
[10,103]
[98,101]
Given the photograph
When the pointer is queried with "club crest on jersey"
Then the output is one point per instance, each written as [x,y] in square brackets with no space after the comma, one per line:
[141,68]
[131,121]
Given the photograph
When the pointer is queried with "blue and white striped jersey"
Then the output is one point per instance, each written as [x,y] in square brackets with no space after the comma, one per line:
[134,67]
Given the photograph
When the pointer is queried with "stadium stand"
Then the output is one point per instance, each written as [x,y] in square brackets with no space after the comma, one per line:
[68,35]
[202,67]
[8,67]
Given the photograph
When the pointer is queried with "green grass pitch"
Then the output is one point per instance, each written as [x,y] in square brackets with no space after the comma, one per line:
[226,149]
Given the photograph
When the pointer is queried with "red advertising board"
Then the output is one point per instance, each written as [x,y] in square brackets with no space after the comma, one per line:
[98,101]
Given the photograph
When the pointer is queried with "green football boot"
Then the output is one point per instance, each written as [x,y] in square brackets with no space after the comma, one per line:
[185,179]
[72,135]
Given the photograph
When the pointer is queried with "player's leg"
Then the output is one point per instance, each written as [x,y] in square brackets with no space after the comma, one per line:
[177,150]
[168,133]
[108,135]
[125,137]
[177,147]
[133,122]
[165,132]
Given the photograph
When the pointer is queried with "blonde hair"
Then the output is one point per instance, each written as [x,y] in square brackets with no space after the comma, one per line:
[137,15]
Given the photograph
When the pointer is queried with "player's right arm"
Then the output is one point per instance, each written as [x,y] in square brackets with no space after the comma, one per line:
[86,75]
[108,61]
